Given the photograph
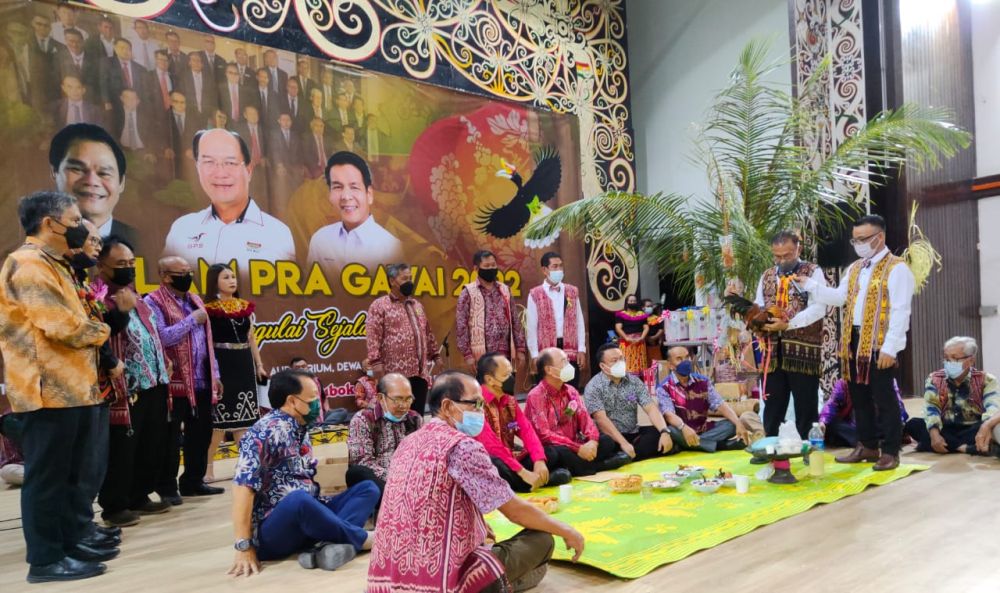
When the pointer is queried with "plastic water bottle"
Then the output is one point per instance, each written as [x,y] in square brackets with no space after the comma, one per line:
[816,444]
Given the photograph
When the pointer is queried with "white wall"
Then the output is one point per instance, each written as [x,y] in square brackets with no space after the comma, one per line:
[680,54]
[986,83]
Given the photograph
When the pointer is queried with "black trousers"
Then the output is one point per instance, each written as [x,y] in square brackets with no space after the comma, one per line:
[419,387]
[56,444]
[646,442]
[94,470]
[955,435]
[802,389]
[515,481]
[135,455]
[876,410]
[359,473]
[561,456]
[196,427]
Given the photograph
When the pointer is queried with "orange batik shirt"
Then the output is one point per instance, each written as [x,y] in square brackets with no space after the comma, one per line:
[49,344]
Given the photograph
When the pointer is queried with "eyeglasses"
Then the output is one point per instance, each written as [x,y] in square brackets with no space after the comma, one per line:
[400,400]
[475,403]
[864,240]
[229,165]
[95,242]
[959,359]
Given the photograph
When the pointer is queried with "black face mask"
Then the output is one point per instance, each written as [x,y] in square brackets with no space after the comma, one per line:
[81,261]
[406,288]
[76,236]
[508,385]
[123,276]
[181,282]
[489,275]
[786,268]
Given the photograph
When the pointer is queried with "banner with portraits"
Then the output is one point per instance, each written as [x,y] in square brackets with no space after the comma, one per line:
[442,174]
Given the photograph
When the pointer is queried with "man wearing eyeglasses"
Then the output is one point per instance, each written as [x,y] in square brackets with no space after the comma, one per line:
[962,405]
[876,292]
[376,432]
[233,227]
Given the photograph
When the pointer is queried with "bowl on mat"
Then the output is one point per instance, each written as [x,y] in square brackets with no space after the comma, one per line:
[664,485]
[679,476]
[706,486]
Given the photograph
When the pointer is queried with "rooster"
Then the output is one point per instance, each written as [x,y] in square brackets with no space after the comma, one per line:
[755,316]
[529,201]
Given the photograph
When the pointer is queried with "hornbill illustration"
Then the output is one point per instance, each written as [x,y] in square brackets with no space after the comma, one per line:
[528,203]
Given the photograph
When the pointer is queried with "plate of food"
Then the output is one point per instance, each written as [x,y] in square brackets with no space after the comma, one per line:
[664,485]
[691,469]
[726,477]
[627,484]
[708,486]
[678,476]
[547,504]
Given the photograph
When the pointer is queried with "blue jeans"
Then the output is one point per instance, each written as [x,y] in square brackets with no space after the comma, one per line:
[301,520]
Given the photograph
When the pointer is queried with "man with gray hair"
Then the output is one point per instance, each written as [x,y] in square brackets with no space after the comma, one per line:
[399,335]
[962,406]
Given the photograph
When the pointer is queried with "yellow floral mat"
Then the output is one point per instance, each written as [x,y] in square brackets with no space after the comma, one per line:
[629,535]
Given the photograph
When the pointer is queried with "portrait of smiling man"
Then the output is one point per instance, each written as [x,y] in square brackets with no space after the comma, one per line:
[233,227]
[88,164]
[357,238]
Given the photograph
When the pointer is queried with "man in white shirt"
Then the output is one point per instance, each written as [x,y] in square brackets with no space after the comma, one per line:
[233,227]
[796,361]
[357,238]
[144,46]
[65,19]
[548,325]
[873,339]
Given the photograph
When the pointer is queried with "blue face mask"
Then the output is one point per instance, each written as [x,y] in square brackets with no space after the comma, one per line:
[954,368]
[471,424]
[391,417]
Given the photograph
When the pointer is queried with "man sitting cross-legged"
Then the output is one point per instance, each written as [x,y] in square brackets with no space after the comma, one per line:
[431,534]
[686,398]
[561,421]
[962,411]
[277,509]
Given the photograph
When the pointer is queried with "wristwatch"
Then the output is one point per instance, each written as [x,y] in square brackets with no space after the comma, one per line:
[664,431]
[242,545]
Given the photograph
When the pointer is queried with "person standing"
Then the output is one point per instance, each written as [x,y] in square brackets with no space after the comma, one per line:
[796,343]
[876,292]
[631,327]
[138,437]
[49,348]
[555,317]
[399,335]
[445,474]
[181,321]
[485,316]
[236,353]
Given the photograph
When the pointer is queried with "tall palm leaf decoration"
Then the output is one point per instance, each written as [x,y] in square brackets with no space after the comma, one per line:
[763,179]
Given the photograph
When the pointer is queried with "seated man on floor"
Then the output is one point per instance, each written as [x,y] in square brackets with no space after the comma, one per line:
[376,431]
[837,417]
[686,398]
[277,508]
[614,397]
[560,419]
[431,534]
[504,422]
[962,406]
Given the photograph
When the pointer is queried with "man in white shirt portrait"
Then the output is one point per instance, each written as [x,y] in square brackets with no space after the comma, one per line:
[144,45]
[357,238]
[233,227]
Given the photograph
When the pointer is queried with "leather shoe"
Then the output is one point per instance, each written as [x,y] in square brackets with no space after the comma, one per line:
[99,540]
[90,554]
[175,499]
[559,477]
[886,462]
[202,489]
[122,518]
[113,530]
[67,569]
[152,508]
[616,461]
[859,454]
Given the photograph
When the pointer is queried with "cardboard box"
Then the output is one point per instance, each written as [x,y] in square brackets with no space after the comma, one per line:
[331,474]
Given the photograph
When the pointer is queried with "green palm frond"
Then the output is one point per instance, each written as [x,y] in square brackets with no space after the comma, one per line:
[762,179]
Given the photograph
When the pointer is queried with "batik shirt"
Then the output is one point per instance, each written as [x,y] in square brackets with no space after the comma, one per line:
[560,417]
[145,366]
[620,401]
[960,409]
[275,459]
[397,331]
[497,327]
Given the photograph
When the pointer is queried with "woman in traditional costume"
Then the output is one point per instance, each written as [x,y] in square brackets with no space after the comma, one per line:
[632,329]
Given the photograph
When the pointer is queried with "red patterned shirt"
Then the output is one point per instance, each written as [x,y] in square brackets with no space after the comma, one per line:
[399,337]
[560,416]
[497,327]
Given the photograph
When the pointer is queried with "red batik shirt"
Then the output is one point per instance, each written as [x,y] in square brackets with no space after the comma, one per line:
[399,337]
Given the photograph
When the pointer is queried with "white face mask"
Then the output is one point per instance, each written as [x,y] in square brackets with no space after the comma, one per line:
[567,373]
[954,368]
[865,250]
[555,276]
[618,369]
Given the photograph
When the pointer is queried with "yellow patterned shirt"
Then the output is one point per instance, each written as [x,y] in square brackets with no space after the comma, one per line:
[49,344]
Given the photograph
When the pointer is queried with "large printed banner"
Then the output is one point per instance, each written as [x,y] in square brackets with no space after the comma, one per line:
[451,173]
